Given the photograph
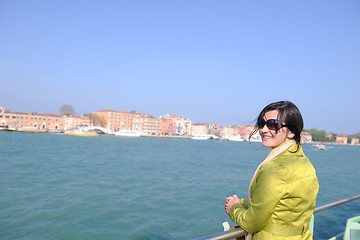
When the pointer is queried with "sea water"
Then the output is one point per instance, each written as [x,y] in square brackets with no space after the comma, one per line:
[54,186]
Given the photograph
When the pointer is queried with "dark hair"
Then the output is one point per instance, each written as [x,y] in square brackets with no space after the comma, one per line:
[288,113]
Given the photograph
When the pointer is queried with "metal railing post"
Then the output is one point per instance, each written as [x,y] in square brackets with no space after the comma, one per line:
[238,232]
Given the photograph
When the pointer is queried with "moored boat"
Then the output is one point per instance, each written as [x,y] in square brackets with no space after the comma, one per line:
[29,130]
[256,138]
[201,137]
[237,138]
[81,133]
[128,133]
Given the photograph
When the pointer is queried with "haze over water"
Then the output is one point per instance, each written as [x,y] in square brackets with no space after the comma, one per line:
[64,187]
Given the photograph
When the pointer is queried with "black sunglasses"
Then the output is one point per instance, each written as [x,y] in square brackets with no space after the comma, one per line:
[272,124]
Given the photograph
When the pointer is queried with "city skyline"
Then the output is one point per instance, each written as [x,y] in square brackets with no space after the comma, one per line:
[174,114]
[207,61]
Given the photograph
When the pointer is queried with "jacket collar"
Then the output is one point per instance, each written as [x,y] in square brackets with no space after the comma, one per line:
[292,148]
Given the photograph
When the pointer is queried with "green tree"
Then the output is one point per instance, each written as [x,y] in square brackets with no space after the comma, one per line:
[318,135]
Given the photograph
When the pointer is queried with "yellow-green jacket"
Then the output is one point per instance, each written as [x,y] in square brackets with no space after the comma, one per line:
[283,198]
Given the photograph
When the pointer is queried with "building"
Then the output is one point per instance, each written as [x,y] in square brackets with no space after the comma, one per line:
[114,120]
[231,131]
[86,121]
[354,141]
[45,121]
[151,125]
[73,122]
[215,129]
[199,129]
[246,130]
[183,126]
[167,127]
[119,120]
[330,136]
[138,122]
[342,139]
[305,137]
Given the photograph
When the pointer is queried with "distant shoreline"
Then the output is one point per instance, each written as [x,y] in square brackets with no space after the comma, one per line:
[220,139]
[332,143]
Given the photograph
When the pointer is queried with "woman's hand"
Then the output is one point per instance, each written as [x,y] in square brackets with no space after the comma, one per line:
[230,201]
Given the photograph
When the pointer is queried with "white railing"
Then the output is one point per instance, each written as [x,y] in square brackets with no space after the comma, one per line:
[238,232]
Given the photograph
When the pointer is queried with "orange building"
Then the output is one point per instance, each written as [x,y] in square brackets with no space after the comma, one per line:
[115,120]
[119,120]
[47,121]
[199,129]
[151,125]
[138,122]
[305,137]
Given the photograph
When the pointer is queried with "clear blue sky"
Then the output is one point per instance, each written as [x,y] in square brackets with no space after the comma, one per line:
[209,61]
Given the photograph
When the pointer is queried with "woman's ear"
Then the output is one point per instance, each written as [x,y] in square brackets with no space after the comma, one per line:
[291,135]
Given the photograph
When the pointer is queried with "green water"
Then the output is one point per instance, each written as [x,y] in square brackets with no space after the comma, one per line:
[70,187]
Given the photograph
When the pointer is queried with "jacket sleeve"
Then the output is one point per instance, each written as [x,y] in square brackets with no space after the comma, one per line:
[268,190]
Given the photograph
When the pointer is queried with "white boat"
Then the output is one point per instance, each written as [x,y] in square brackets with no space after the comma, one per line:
[128,133]
[201,137]
[319,147]
[256,138]
[81,133]
[352,230]
[236,138]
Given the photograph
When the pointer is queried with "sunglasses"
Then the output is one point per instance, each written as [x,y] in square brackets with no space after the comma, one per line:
[272,124]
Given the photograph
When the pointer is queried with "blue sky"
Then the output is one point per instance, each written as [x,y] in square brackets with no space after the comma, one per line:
[209,61]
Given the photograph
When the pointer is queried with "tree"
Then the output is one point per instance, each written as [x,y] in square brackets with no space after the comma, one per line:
[318,135]
[66,109]
[95,120]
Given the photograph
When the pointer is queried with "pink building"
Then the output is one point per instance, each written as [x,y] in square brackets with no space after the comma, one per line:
[167,127]
[245,131]
[183,126]
[354,141]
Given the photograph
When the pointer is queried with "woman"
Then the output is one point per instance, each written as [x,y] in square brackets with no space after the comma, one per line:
[282,193]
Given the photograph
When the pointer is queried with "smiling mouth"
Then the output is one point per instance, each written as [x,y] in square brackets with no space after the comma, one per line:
[266,137]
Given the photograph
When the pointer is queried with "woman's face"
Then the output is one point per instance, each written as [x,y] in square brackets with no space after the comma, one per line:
[271,138]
